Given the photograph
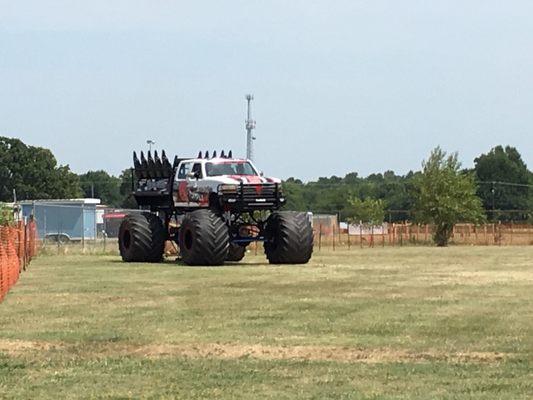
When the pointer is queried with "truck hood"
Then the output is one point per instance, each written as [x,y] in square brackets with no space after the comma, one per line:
[245,179]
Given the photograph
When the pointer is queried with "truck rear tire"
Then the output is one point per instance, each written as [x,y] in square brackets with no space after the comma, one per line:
[289,238]
[203,238]
[141,238]
[236,252]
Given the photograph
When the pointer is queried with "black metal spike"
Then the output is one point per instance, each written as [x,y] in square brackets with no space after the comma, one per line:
[206,154]
[200,154]
[158,165]
[167,168]
[214,154]
[222,154]
[137,166]
[144,166]
[151,166]
[230,154]
[164,158]
[176,162]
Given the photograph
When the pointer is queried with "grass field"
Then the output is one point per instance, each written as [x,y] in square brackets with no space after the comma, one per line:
[393,323]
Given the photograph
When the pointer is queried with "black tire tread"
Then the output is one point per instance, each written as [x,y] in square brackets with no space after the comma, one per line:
[148,238]
[211,239]
[289,238]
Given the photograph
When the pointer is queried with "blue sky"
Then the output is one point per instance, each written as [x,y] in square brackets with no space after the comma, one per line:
[339,86]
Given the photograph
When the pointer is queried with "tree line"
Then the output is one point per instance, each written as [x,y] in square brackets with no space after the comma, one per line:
[502,181]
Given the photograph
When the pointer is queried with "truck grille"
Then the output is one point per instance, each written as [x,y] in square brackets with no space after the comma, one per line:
[267,191]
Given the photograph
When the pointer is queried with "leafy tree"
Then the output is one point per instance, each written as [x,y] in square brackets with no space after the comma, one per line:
[445,195]
[6,214]
[33,173]
[128,201]
[368,210]
[101,185]
[494,171]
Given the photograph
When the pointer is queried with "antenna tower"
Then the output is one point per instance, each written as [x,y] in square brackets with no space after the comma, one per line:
[250,125]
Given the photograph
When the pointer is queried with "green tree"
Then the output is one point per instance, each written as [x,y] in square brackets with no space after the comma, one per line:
[504,181]
[369,210]
[33,173]
[6,214]
[101,185]
[127,199]
[445,195]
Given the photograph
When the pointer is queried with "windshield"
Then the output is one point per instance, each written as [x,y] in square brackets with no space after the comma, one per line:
[229,168]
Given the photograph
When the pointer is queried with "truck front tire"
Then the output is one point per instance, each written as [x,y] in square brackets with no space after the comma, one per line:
[142,238]
[289,238]
[203,238]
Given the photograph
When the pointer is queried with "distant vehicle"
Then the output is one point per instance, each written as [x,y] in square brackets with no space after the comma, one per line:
[212,207]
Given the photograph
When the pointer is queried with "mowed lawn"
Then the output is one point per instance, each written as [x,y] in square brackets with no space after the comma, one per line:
[393,323]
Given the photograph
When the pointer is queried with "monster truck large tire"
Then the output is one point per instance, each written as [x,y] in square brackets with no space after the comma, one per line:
[203,238]
[236,252]
[289,238]
[141,238]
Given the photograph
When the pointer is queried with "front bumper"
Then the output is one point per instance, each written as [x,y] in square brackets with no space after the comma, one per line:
[250,197]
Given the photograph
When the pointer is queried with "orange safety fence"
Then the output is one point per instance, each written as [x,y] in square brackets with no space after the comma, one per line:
[18,245]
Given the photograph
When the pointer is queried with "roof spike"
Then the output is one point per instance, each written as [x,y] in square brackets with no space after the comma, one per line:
[214,154]
[200,154]
[230,154]
[222,154]
[206,154]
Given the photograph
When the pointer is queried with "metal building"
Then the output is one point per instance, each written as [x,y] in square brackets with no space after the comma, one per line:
[63,219]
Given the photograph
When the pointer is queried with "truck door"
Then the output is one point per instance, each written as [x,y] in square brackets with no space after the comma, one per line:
[187,192]
[181,194]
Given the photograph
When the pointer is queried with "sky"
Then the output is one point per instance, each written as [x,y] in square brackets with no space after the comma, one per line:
[339,86]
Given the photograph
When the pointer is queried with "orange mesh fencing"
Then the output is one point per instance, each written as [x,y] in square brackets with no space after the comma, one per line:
[18,245]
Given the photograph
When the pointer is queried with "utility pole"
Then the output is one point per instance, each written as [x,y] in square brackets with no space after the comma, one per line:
[250,125]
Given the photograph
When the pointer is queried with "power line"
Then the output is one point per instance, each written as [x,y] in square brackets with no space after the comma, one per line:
[506,183]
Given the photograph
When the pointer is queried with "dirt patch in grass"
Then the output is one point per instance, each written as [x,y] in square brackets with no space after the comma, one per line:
[14,347]
[312,353]
[257,351]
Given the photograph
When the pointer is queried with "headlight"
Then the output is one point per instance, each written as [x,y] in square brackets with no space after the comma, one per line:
[227,188]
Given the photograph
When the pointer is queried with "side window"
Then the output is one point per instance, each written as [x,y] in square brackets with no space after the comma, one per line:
[197,169]
[185,169]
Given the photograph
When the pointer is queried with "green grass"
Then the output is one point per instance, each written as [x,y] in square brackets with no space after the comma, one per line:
[393,323]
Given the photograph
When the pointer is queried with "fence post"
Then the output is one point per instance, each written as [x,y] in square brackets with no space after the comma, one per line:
[320,237]
[339,227]
[333,237]
[348,238]
[361,234]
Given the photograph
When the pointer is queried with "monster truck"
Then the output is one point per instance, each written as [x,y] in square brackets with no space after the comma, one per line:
[212,207]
